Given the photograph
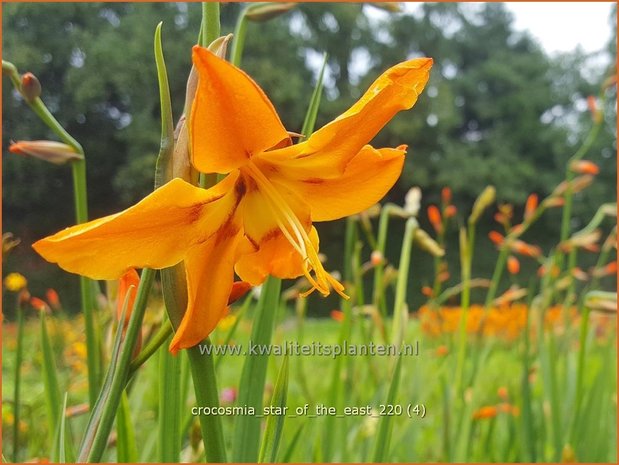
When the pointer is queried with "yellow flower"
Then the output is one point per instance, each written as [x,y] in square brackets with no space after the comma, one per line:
[15,282]
[258,220]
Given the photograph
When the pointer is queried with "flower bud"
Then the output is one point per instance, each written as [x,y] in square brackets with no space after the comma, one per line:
[391,7]
[484,200]
[265,11]
[47,150]
[9,243]
[40,305]
[450,211]
[52,298]
[513,265]
[30,87]
[220,46]
[584,167]
[531,206]
[412,201]
[376,257]
[15,282]
[428,244]
[434,215]
[446,195]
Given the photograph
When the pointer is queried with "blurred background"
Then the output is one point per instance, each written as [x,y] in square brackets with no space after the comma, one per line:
[501,108]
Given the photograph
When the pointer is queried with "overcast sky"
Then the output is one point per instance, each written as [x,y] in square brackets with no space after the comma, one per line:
[561,27]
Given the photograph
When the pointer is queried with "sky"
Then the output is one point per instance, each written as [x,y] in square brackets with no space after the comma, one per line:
[561,27]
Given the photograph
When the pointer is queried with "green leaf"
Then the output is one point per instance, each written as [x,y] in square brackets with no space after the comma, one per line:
[247,428]
[312,110]
[166,149]
[383,438]
[59,453]
[293,444]
[275,423]
[126,449]
[169,420]
[53,400]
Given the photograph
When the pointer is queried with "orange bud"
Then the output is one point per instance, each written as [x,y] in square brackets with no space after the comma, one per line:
[434,215]
[531,206]
[496,237]
[513,265]
[427,291]
[24,296]
[450,211]
[585,167]
[443,276]
[442,350]
[337,315]
[502,392]
[489,411]
[446,195]
[127,290]
[596,114]
[39,305]
[47,150]
[52,298]
[30,87]
[525,249]
[579,274]
[607,270]
[551,202]
[376,258]
[239,289]
[264,11]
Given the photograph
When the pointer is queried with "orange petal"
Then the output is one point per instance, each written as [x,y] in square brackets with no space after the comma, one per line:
[275,256]
[231,117]
[210,274]
[336,143]
[154,233]
[366,178]
[128,282]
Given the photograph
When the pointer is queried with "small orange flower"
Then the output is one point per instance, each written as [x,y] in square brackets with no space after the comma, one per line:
[503,393]
[525,249]
[427,291]
[446,195]
[376,257]
[337,315]
[450,211]
[489,411]
[434,215]
[513,265]
[39,305]
[531,206]
[585,167]
[442,350]
[496,237]
[52,298]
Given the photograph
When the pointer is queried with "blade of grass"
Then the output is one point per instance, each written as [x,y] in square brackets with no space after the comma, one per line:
[312,110]
[247,428]
[126,449]
[59,453]
[19,354]
[385,427]
[169,420]
[293,444]
[275,423]
[50,379]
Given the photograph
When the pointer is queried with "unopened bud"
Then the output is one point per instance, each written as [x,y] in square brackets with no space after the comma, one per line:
[584,167]
[40,305]
[530,206]
[581,182]
[412,201]
[391,7]
[47,150]
[376,258]
[266,11]
[485,199]
[428,244]
[30,87]
[220,46]
[434,215]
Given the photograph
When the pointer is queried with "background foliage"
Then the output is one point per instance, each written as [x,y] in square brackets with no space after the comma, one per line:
[497,110]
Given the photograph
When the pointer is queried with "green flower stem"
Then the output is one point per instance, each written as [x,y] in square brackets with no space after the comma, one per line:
[399,310]
[466,260]
[121,372]
[238,42]
[205,385]
[151,347]
[81,216]
[19,351]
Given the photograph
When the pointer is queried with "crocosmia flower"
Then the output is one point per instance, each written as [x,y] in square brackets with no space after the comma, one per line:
[258,220]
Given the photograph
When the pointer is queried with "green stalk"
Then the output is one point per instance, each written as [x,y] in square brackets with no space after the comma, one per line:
[50,379]
[383,437]
[210,14]
[81,216]
[121,372]
[399,310]
[19,351]
[205,386]
[169,419]
[275,423]
[466,254]
[153,344]
[238,42]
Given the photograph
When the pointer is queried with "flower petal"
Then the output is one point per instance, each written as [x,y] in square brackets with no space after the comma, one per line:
[275,256]
[231,117]
[336,143]
[365,180]
[154,233]
[210,274]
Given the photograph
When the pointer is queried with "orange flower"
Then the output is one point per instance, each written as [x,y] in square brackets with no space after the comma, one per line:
[442,350]
[531,206]
[127,291]
[337,315]
[427,291]
[434,215]
[513,265]
[258,220]
[376,257]
[446,195]
[585,167]
[39,305]
[489,411]
[496,237]
[52,298]
[450,211]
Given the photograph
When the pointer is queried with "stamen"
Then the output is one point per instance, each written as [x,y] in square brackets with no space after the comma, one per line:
[286,218]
